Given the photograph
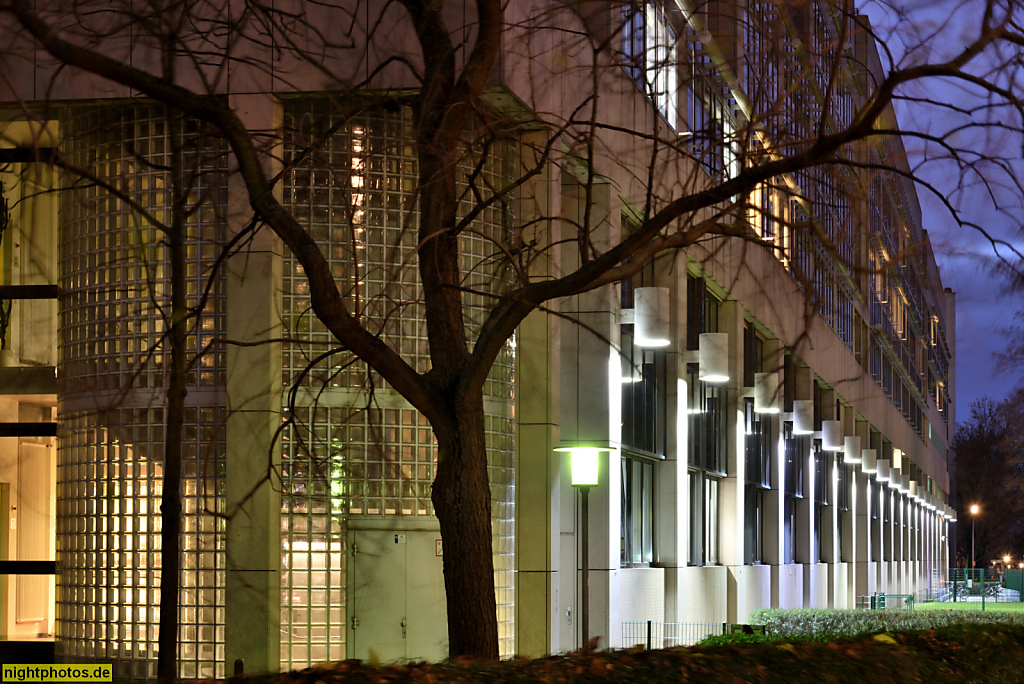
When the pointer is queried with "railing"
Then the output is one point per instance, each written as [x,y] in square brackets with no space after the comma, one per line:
[882,601]
[652,634]
[979,586]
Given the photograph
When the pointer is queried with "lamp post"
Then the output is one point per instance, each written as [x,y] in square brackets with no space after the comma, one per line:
[974,516]
[584,476]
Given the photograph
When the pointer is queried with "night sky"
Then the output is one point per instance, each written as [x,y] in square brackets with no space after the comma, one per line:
[987,309]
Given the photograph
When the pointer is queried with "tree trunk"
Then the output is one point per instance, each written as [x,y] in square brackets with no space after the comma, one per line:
[170,504]
[462,503]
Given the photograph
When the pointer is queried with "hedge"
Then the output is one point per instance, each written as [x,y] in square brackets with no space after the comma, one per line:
[952,654]
[824,625]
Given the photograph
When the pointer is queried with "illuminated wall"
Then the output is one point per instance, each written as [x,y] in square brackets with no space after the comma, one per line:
[344,455]
[111,418]
[356,448]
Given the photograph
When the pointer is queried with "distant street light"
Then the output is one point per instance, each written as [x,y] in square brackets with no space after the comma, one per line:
[974,515]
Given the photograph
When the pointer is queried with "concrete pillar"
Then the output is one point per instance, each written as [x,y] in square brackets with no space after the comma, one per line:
[672,527]
[591,411]
[253,493]
[803,388]
[731,491]
[538,408]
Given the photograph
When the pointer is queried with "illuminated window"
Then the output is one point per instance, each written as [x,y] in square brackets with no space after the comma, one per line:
[649,47]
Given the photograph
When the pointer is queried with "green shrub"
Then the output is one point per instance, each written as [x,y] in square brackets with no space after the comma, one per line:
[824,625]
[734,639]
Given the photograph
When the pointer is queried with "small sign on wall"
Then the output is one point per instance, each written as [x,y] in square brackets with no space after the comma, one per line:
[399,538]
[438,551]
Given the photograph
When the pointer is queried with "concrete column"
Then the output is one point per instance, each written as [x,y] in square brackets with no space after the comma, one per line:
[539,613]
[253,572]
[672,524]
[731,489]
[591,410]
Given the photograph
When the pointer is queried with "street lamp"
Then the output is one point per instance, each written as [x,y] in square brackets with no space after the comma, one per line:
[583,473]
[974,516]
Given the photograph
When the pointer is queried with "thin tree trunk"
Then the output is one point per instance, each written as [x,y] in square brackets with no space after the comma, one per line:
[462,503]
[170,505]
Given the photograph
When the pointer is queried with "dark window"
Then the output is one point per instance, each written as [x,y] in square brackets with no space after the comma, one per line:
[707,439]
[704,491]
[753,528]
[644,378]
[822,483]
[637,539]
[753,354]
[644,403]
[796,453]
[758,443]
[788,529]
[701,311]
[757,473]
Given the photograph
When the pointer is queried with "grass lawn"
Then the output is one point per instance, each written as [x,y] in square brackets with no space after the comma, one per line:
[971,605]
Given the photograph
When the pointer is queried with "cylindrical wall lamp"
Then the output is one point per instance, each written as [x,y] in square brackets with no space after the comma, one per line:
[766,392]
[851,449]
[869,460]
[883,470]
[831,435]
[650,318]
[895,477]
[803,416]
[913,491]
[713,357]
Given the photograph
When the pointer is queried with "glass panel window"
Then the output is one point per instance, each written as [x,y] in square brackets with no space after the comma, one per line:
[649,47]
[704,491]
[707,439]
[796,451]
[644,379]
[753,527]
[637,538]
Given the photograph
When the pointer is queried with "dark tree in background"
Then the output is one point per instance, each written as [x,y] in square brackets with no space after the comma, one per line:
[990,474]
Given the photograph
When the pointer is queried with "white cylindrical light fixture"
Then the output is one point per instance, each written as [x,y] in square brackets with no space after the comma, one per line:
[713,357]
[803,416]
[869,460]
[851,449]
[831,435]
[766,392]
[650,317]
[883,470]
[895,477]
[912,490]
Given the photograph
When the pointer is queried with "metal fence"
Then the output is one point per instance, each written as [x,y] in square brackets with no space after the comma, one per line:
[652,634]
[979,585]
[882,601]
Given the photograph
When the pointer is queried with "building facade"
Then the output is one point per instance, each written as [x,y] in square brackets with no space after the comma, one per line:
[773,409]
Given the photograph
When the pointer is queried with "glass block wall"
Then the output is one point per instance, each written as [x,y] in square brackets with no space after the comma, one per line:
[355,448]
[114,280]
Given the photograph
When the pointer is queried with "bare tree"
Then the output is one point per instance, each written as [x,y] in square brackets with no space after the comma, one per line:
[774,125]
[988,444]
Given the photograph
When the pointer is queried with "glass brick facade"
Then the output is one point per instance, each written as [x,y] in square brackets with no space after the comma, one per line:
[114,279]
[354,447]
